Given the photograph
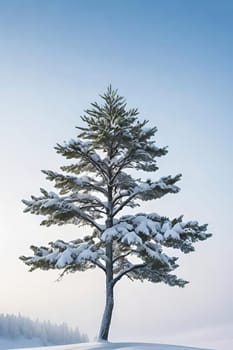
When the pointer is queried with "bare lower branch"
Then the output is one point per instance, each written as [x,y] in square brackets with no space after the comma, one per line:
[88,218]
[97,263]
[121,257]
[88,207]
[125,272]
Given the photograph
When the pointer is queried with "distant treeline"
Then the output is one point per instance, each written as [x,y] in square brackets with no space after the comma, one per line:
[12,326]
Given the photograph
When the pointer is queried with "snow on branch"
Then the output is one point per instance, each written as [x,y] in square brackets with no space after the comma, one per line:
[67,183]
[144,236]
[150,190]
[149,232]
[77,255]
[60,210]
[89,159]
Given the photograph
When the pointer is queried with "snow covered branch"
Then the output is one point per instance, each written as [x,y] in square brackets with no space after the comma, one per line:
[71,256]
[90,160]
[150,190]
[67,183]
[59,210]
[141,230]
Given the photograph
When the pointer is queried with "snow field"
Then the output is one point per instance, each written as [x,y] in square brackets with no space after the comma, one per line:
[116,346]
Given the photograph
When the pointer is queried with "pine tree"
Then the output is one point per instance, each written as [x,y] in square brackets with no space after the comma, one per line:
[95,188]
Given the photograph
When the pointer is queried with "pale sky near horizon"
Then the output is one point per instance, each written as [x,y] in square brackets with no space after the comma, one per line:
[172,60]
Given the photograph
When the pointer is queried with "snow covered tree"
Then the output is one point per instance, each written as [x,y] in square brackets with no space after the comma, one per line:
[95,188]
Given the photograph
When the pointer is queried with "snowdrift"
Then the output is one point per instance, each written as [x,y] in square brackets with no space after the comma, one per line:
[116,346]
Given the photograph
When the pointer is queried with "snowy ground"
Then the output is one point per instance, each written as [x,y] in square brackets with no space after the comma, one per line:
[116,346]
[19,342]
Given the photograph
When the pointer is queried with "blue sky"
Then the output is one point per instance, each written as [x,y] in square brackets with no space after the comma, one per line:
[172,60]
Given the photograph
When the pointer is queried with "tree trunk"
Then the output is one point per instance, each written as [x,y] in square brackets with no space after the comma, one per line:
[107,316]
[109,298]
[109,301]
